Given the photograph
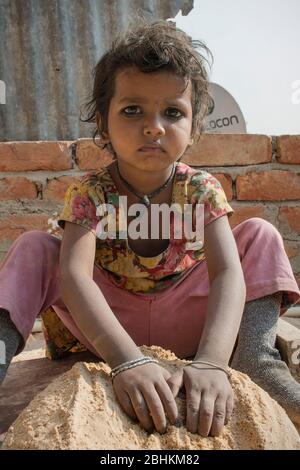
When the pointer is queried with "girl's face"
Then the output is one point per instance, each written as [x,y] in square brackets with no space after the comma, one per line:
[147,108]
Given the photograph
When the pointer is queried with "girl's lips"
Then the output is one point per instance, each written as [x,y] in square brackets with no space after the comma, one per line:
[151,149]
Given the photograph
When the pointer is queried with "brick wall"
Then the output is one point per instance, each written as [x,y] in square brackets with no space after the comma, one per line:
[260,175]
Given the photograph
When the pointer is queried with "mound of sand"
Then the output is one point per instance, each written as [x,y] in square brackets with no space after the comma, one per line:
[79,410]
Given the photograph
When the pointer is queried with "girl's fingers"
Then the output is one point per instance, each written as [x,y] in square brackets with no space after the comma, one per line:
[229,408]
[206,414]
[141,410]
[125,403]
[175,382]
[156,409]
[168,401]
[193,399]
[219,416]
[166,374]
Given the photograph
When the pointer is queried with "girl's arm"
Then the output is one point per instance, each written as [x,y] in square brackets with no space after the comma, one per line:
[95,319]
[85,301]
[209,396]
[227,293]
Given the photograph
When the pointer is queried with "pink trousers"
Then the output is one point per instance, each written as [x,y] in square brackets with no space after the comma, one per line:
[173,319]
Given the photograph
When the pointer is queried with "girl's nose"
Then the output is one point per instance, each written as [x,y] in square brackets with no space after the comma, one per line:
[154,127]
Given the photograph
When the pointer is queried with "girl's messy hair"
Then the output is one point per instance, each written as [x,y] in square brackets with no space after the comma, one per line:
[151,47]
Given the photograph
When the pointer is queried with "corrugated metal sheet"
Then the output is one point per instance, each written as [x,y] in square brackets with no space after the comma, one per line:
[47,51]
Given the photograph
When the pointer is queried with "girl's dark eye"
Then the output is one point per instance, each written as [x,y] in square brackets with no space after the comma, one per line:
[124,111]
[178,113]
[175,113]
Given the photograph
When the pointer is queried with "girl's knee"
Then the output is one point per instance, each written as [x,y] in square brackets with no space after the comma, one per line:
[259,225]
[38,238]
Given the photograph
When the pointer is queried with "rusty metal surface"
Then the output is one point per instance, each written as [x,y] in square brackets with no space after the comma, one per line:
[48,49]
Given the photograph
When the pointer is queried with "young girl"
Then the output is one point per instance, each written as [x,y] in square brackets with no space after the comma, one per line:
[150,97]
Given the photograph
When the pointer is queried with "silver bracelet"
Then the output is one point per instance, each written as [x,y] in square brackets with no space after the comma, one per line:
[131,364]
[215,366]
[128,363]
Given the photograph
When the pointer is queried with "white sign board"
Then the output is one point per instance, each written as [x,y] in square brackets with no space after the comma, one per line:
[225,116]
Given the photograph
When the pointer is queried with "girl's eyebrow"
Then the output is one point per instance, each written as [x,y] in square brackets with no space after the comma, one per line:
[139,99]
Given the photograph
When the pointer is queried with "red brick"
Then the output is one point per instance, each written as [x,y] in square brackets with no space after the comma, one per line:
[57,187]
[288,149]
[12,227]
[90,157]
[28,156]
[226,183]
[276,185]
[242,213]
[229,149]
[290,216]
[17,188]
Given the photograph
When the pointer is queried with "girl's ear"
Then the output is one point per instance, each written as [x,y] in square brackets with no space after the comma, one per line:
[105,137]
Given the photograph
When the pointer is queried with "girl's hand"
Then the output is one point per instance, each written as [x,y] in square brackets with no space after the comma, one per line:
[209,398]
[144,394]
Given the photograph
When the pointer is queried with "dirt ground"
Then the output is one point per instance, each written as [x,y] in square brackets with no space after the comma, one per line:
[31,372]
[79,410]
